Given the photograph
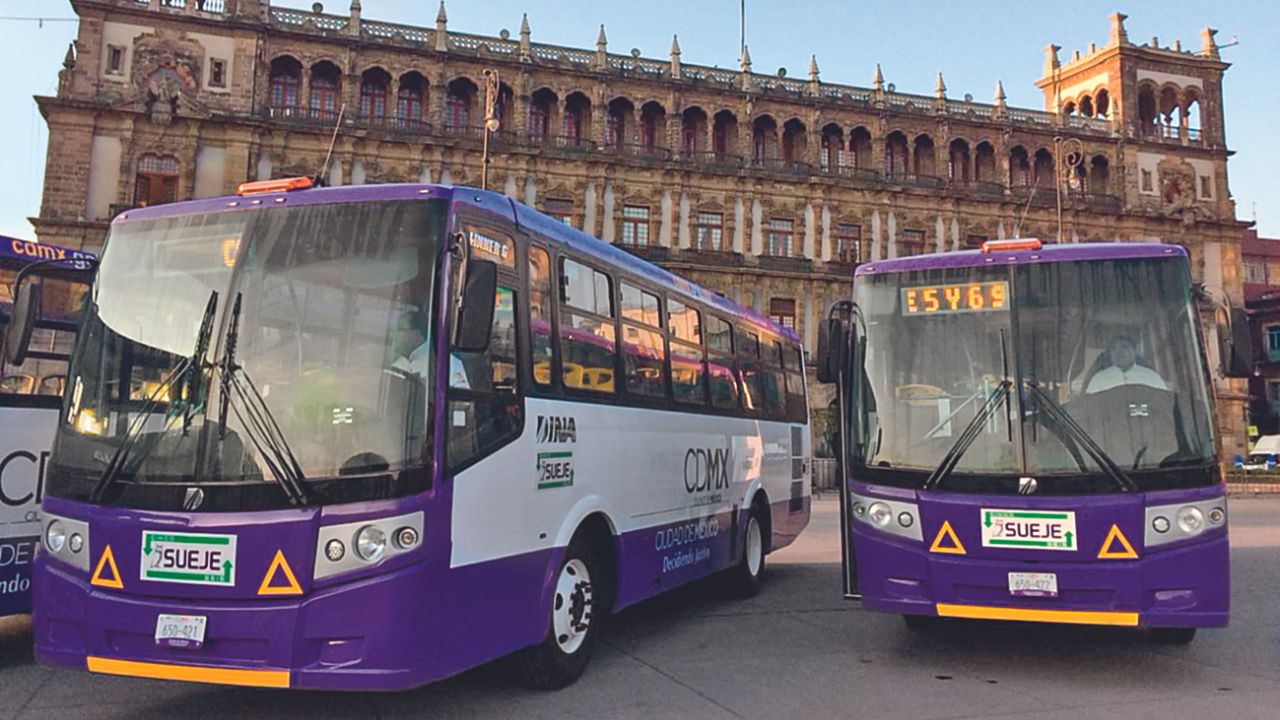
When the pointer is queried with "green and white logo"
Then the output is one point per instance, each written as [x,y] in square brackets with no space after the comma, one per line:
[554,469]
[193,558]
[1029,529]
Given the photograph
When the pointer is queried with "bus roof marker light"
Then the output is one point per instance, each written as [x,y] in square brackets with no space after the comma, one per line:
[1011,245]
[271,186]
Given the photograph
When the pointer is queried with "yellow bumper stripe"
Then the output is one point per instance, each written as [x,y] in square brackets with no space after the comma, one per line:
[190,673]
[1079,617]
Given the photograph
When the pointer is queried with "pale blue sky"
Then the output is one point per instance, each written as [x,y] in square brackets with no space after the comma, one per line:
[972,43]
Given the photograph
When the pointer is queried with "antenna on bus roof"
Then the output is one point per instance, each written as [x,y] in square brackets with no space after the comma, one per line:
[333,140]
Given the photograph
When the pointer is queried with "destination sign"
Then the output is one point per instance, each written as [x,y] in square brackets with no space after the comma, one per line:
[957,298]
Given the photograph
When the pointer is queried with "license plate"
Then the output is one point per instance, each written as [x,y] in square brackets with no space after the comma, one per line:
[1029,529]
[181,631]
[191,558]
[1028,584]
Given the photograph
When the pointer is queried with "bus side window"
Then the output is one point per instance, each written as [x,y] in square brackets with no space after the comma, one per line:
[484,409]
[643,351]
[794,365]
[540,322]
[721,365]
[587,338]
[774,381]
[688,359]
[753,387]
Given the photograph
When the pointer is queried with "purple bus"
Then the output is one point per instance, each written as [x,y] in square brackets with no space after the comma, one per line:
[364,438]
[1028,435]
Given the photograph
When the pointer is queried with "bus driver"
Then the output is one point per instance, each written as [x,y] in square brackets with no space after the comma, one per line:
[412,346]
[1124,369]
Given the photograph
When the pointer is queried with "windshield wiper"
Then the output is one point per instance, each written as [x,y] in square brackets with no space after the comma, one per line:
[1068,423]
[970,433]
[259,424]
[179,379]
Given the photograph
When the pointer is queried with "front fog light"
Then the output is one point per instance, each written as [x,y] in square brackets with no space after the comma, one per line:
[879,513]
[76,542]
[906,520]
[371,543]
[55,537]
[1217,515]
[859,509]
[335,550]
[406,537]
[1190,520]
[1160,524]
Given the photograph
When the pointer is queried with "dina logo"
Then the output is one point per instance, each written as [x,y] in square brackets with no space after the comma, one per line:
[553,430]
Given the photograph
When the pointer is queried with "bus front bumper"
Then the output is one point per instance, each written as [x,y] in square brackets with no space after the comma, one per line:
[1181,587]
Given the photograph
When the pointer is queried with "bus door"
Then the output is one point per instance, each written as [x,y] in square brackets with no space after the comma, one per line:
[30,398]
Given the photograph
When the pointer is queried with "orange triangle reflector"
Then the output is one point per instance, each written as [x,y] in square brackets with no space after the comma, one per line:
[1109,551]
[107,562]
[279,566]
[947,535]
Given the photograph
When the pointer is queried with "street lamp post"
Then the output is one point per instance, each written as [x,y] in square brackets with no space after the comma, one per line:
[1068,154]
[491,122]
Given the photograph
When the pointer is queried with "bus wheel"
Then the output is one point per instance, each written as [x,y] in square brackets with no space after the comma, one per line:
[1173,636]
[746,574]
[558,661]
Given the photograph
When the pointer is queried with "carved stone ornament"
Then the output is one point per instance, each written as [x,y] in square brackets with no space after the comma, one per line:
[1178,195]
[166,77]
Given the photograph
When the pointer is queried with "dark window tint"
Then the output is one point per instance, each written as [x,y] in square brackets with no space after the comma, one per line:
[586,289]
[540,315]
[642,357]
[719,335]
[688,370]
[483,408]
[587,347]
[685,322]
[640,306]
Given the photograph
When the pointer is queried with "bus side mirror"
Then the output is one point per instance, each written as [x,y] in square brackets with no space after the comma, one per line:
[832,342]
[17,334]
[475,317]
[1235,345]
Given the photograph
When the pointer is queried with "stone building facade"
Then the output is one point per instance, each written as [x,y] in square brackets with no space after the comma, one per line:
[767,188]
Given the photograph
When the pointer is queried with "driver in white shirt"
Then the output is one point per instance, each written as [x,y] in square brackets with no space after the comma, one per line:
[1124,369]
[414,350]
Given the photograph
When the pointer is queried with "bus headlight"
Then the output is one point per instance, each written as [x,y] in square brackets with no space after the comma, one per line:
[335,550]
[880,514]
[370,543]
[55,537]
[1190,520]
[75,543]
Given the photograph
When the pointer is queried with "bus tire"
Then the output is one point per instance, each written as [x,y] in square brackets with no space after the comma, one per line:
[1173,636]
[745,576]
[559,660]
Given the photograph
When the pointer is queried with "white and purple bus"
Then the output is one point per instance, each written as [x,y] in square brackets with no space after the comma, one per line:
[1029,435]
[31,386]
[369,437]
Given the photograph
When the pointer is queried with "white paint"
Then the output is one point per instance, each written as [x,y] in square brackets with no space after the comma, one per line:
[875,236]
[1000,230]
[664,228]
[335,173]
[739,225]
[28,430]
[806,318]
[357,172]
[589,208]
[1149,162]
[530,191]
[810,231]
[826,234]
[263,171]
[891,229]
[610,225]
[955,233]
[757,231]
[1204,168]
[104,176]
[446,177]
[940,235]
[509,187]
[682,234]
[123,35]
[1161,78]
[210,167]
[424,175]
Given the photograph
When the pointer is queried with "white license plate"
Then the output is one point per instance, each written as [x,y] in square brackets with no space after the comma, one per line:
[184,631]
[1029,584]
[1029,529]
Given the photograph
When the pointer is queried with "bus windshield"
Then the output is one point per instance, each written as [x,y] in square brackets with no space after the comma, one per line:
[1102,360]
[320,317]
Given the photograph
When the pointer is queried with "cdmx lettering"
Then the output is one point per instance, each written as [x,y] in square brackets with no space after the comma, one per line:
[707,469]
[556,429]
[13,491]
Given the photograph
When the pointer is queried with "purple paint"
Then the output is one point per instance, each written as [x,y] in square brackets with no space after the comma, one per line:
[1049,253]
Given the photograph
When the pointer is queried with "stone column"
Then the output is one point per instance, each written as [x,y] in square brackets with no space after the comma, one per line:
[665,230]
[826,234]
[739,225]
[809,248]
[610,229]
[683,233]
[757,231]
[589,209]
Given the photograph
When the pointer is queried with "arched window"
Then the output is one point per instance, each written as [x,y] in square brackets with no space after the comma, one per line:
[1146,111]
[577,119]
[1086,106]
[1069,108]
[1042,170]
[958,162]
[764,140]
[325,78]
[1100,175]
[410,98]
[373,93]
[1192,115]
[156,181]
[833,152]
[860,148]
[724,134]
[984,163]
[653,126]
[895,155]
[1170,113]
[693,130]
[1019,168]
[286,74]
[1102,104]
[541,105]
[618,123]
[458,102]
[924,162]
[794,141]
